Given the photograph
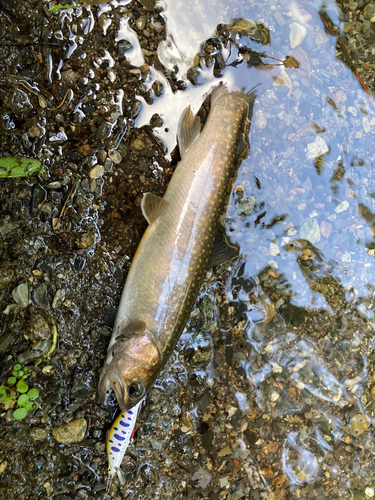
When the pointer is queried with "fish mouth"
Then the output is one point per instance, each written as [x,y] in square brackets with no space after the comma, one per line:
[108,383]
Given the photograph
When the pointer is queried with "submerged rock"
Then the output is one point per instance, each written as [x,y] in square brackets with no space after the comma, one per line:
[296,35]
[310,231]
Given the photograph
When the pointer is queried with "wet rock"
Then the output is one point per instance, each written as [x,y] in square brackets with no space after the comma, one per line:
[58,298]
[54,185]
[123,47]
[39,328]
[203,478]
[83,385]
[84,150]
[247,205]
[6,276]
[148,5]
[359,424]
[96,172]
[157,88]
[140,23]
[342,207]
[3,466]
[70,433]
[102,156]
[316,148]
[138,144]
[69,76]
[103,131]
[86,240]
[115,156]
[5,341]
[296,35]
[34,131]
[20,295]
[143,166]
[310,231]
[7,227]
[37,433]
[38,197]
[369,11]
[40,296]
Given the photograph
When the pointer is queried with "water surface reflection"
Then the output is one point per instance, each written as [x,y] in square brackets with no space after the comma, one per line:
[302,210]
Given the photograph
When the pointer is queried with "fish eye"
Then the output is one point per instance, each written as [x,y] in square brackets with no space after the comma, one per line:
[136,390]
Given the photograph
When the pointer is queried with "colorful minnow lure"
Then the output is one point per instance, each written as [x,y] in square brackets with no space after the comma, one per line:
[119,436]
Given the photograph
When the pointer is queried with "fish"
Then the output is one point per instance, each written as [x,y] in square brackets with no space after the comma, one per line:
[179,245]
[119,436]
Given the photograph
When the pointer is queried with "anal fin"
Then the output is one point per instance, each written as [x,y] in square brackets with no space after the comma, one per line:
[153,206]
[223,250]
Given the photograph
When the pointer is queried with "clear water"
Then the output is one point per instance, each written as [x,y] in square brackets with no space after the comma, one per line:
[303,288]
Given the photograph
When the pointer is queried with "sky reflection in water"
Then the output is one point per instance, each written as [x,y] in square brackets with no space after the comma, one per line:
[308,244]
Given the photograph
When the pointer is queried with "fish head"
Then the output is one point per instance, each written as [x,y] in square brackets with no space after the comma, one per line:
[131,367]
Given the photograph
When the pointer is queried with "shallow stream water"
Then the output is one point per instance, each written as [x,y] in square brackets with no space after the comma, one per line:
[271,391]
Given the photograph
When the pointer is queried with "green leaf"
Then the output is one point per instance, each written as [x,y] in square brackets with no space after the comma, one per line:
[33,393]
[57,7]
[14,373]
[19,414]
[12,380]
[7,399]
[23,399]
[22,386]
[26,369]
[19,167]
[29,406]
[20,373]
[17,367]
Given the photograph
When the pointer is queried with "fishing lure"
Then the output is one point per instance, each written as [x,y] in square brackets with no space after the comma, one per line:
[119,436]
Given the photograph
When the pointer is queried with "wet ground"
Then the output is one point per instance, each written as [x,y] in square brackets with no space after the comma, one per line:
[270,393]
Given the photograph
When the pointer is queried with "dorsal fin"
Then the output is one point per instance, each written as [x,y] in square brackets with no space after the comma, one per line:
[130,327]
[189,127]
[153,206]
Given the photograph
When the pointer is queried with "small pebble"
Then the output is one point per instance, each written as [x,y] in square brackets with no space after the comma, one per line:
[96,172]
[34,131]
[359,424]
[115,156]
[310,231]
[58,298]
[70,433]
[20,295]
[37,433]
[316,148]
[344,205]
[138,144]
[296,35]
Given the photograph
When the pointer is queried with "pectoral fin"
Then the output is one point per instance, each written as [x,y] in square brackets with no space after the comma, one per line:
[223,250]
[189,127]
[153,206]
[130,327]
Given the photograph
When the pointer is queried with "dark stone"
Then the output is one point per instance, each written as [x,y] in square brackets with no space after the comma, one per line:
[40,296]
[123,47]
[39,195]
[207,439]
[83,385]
